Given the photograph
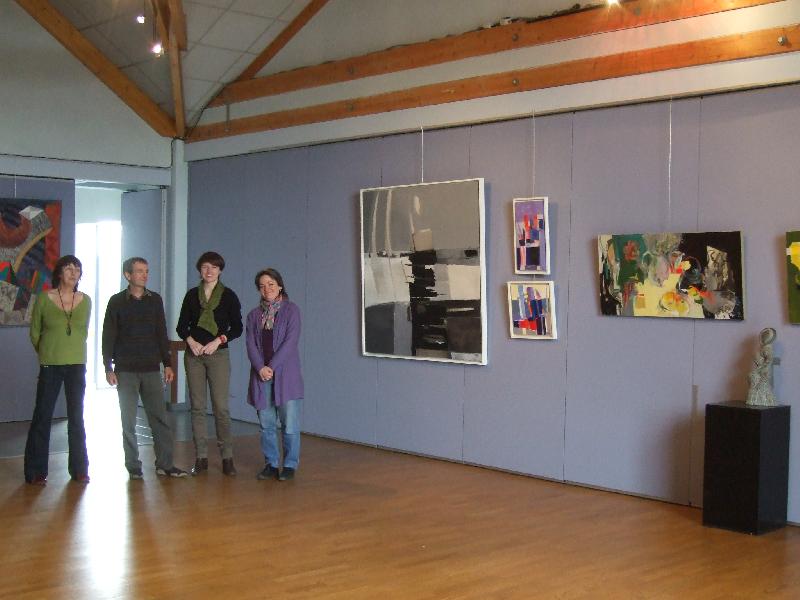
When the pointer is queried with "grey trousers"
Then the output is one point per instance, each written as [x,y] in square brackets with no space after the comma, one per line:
[210,371]
[148,386]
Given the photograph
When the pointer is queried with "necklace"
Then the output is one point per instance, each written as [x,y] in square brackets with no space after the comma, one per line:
[67,314]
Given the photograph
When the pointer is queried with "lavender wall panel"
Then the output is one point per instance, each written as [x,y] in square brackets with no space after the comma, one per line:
[419,404]
[275,197]
[140,214]
[514,410]
[341,385]
[683,205]
[263,198]
[216,190]
[629,380]
[20,364]
[749,151]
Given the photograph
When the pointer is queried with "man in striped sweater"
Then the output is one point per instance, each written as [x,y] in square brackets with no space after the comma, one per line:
[135,345]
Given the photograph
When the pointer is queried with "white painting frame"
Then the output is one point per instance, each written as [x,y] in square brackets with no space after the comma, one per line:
[537,239]
[536,327]
[423,272]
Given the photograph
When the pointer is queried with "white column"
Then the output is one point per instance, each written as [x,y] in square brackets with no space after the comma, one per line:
[177,240]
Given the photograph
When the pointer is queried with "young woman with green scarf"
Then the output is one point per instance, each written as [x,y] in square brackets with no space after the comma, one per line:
[211,317]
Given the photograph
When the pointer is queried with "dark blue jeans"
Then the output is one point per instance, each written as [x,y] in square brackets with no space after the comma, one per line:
[37,448]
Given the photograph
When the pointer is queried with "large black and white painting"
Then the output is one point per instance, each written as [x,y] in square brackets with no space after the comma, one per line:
[422,272]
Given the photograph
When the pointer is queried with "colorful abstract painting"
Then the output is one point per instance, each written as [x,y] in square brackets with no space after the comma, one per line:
[29,249]
[422,272]
[793,274]
[692,275]
[532,310]
[531,236]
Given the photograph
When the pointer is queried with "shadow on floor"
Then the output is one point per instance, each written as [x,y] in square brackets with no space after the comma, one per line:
[13,435]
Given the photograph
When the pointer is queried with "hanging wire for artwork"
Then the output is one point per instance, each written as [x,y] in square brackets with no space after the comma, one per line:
[669,169]
[422,155]
[533,152]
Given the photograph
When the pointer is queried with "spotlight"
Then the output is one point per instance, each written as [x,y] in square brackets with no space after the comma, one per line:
[157,48]
[140,19]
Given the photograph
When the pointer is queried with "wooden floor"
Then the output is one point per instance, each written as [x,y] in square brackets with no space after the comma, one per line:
[365,523]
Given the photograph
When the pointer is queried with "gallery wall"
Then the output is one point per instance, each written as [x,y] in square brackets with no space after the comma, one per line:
[56,108]
[616,403]
[20,365]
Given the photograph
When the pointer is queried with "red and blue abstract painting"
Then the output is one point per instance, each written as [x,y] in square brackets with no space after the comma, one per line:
[29,248]
[531,236]
[531,310]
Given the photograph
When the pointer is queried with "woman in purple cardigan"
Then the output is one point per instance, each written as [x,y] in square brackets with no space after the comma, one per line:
[276,383]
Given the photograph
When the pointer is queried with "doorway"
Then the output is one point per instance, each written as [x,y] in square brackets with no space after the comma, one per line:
[99,248]
[112,224]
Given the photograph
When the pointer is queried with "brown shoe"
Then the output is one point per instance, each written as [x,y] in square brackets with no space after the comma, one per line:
[227,467]
[200,465]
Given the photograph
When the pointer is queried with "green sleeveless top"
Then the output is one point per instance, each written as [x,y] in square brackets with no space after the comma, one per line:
[49,332]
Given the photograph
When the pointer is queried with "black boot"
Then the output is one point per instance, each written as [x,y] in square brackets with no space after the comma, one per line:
[227,467]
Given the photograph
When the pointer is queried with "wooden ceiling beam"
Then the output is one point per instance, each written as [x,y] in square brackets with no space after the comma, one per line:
[94,60]
[766,42]
[283,38]
[177,35]
[161,14]
[177,23]
[176,76]
[635,13]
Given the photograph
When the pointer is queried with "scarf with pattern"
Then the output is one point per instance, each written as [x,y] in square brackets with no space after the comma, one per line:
[270,309]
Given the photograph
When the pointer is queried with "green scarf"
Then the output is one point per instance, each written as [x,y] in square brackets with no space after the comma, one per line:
[206,320]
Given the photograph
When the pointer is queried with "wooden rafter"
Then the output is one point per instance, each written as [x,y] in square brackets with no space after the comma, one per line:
[283,38]
[161,14]
[74,41]
[765,42]
[177,23]
[176,76]
[177,32]
[636,13]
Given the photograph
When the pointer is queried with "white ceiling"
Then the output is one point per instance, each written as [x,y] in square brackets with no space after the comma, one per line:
[224,36]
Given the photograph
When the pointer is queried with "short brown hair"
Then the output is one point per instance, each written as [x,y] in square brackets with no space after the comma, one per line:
[212,258]
[127,266]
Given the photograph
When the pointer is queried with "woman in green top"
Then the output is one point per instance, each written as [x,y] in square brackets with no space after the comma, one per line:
[59,327]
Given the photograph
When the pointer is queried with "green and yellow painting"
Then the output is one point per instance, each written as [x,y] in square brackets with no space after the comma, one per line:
[690,275]
[793,274]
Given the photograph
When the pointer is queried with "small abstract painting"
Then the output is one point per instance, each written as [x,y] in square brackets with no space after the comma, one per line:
[793,274]
[531,236]
[29,248]
[532,310]
[422,272]
[691,275]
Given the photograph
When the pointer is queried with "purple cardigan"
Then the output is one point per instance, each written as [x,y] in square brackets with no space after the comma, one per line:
[288,380]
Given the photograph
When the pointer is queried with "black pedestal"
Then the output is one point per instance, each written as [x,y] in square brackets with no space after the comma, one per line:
[746,480]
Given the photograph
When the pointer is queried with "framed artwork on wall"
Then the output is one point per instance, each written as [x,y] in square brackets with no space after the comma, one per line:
[30,240]
[532,310]
[531,236]
[423,283]
[793,274]
[690,275]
